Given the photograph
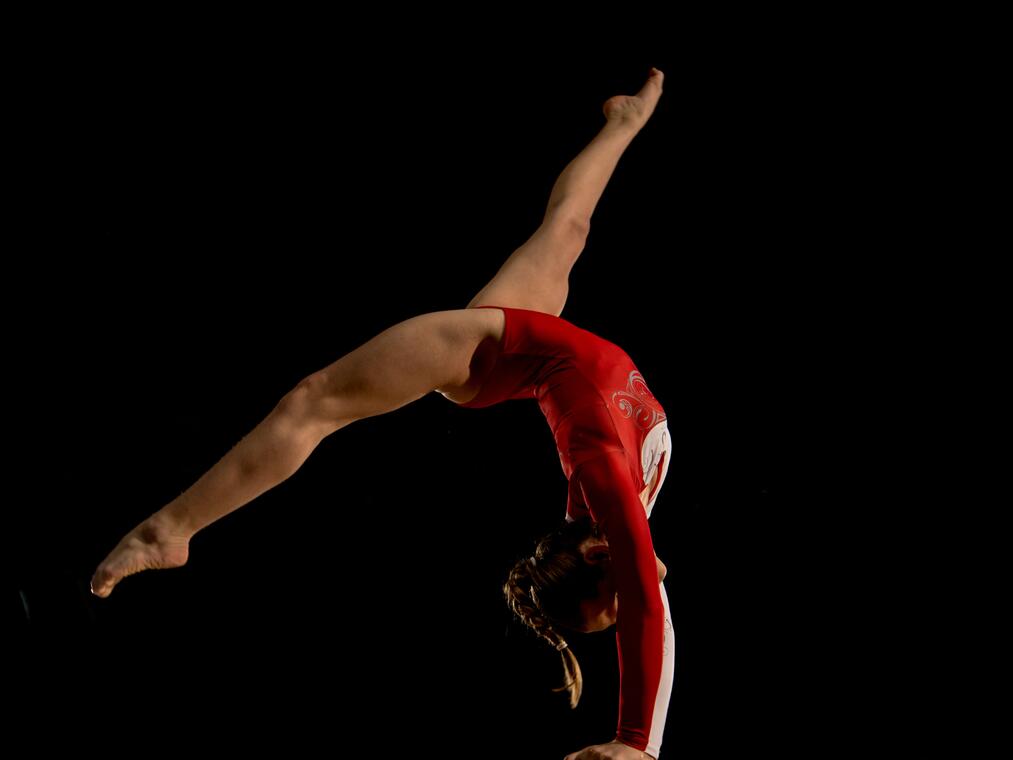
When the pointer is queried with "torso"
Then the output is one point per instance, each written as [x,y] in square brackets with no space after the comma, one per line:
[490,324]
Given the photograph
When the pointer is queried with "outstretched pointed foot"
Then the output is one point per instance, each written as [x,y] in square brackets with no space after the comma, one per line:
[157,543]
[636,109]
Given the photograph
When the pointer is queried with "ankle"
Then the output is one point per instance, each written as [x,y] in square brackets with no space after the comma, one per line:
[620,130]
[174,521]
[626,125]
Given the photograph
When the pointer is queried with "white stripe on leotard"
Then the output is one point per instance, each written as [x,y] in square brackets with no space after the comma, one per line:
[659,442]
[665,685]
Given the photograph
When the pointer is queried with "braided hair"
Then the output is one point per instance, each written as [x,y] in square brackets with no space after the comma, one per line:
[545,591]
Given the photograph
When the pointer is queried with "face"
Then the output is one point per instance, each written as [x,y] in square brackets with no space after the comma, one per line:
[600,612]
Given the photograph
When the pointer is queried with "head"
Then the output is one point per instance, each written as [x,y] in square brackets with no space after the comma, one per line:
[566,586]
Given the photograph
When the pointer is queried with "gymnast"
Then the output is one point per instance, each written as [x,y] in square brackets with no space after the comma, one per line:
[598,568]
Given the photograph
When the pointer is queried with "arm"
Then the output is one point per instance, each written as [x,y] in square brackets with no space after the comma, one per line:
[640,621]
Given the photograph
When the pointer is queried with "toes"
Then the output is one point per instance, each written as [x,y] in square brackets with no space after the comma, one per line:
[102,583]
[106,577]
[654,80]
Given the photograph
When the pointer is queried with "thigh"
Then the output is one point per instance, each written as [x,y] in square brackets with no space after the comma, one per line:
[410,359]
[536,275]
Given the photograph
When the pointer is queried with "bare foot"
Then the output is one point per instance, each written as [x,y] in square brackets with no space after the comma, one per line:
[157,543]
[636,109]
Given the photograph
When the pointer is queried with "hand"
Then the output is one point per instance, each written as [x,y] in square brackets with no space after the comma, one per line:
[614,750]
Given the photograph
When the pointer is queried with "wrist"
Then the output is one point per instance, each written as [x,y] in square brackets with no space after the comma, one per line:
[644,753]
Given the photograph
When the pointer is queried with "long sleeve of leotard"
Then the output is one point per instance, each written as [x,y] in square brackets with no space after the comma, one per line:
[614,503]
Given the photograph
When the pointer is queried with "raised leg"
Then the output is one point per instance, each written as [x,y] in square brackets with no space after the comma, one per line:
[536,275]
[398,366]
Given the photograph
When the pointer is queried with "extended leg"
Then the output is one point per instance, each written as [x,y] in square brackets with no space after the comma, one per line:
[536,275]
[398,366]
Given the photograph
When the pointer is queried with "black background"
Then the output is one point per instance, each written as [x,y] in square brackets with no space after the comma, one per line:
[212,219]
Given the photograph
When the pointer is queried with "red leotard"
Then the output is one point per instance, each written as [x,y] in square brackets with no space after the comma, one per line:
[612,435]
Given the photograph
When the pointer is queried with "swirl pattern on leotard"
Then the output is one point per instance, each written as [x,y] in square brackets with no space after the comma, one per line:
[637,402]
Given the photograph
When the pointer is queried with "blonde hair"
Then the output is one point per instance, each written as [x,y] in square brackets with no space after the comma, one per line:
[545,591]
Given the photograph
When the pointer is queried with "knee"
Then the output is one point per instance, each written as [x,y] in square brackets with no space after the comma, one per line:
[307,391]
[570,236]
[312,400]
[580,228]
[569,224]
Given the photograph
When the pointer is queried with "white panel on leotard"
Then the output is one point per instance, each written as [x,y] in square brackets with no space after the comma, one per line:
[656,443]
